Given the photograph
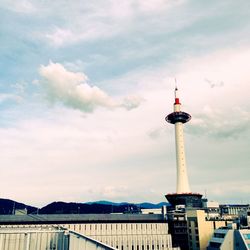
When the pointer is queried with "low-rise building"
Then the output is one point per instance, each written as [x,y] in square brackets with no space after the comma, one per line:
[120,231]
[232,211]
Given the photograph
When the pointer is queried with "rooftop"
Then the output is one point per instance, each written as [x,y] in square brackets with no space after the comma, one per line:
[80,218]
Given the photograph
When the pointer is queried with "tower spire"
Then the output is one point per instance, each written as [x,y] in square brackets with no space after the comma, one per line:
[176,95]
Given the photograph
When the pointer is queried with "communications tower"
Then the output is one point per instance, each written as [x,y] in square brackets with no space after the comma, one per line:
[183,195]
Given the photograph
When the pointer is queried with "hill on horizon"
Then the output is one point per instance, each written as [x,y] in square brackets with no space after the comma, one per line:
[8,207]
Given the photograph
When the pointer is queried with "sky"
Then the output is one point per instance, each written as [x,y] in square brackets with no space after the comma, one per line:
[85,87]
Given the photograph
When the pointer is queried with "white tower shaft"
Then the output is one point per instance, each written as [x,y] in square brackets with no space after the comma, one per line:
[182,177]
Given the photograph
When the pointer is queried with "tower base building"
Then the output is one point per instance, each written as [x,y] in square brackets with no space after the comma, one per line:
[188,200]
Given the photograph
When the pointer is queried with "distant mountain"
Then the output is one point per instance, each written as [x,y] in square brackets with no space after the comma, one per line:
[151,205]
[9,206]
[97,207]
[103,203]
[140,205]
[87,208]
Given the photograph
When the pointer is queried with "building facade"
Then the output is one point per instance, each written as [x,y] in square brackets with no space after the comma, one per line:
[46,237]
[120,231]
[200,229]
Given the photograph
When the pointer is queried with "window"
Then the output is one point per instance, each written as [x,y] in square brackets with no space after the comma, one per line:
[219,235]
[215,244]
[246,236]
[197,244]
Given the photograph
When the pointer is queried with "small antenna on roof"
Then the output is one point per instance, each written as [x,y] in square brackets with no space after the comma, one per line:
[175,84]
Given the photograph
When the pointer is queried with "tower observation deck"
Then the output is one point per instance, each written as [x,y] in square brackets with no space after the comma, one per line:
[183,195]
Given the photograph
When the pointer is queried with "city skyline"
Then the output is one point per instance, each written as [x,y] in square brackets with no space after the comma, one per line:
[85,88]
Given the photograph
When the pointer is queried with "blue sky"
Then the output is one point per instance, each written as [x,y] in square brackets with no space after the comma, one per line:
[85,87]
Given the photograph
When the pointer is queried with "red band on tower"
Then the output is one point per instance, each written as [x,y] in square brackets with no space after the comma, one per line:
[177,101]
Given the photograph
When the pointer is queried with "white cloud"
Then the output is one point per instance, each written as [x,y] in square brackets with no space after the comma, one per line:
[73,90]
[157,5]
[10,97]
[21,6]
[59,36]
[132,101]
[103,20]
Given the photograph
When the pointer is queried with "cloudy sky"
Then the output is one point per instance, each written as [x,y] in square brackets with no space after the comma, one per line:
[85,87]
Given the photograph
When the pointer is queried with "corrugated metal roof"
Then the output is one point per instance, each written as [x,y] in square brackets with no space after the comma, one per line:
[84,218]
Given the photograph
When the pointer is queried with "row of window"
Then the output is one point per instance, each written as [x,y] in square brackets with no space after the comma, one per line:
[147,247]
[121,226]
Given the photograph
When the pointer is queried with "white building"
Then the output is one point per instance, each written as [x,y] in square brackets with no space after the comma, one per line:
[121,231]
[212,209]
